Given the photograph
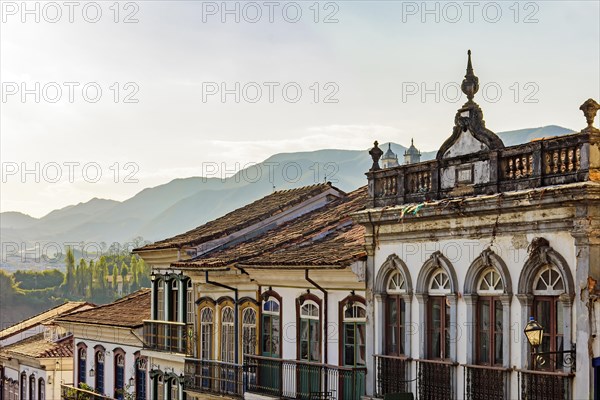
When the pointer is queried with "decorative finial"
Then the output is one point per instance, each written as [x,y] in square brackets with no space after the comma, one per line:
[412,143]
[376,154]
[470,85]
[590,108]
[390,146]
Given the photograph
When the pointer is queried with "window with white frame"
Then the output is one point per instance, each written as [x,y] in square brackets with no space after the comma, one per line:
[160,296]
[395,314]
[490,317]
[438,314]
[271,335]
[190,302]
[548,285]
[206,333]
[309,337]
[249,331]
[354,321]
[227,335]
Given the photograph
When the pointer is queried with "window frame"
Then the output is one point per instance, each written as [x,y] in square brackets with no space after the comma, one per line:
[270,315]
[302,301]
[81,362]
[119,370]
[343,305]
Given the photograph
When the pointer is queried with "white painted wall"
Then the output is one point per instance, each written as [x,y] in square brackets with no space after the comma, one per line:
[109,363]
[461,253]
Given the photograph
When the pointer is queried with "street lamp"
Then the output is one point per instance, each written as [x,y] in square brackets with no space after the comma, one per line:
[92,372]
[535,334]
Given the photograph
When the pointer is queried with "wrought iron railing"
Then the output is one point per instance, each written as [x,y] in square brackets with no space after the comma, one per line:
[302,380]
[215,377]
[559,160]
[73,393]
[175,337]
[486,383]
[538,385]
[392,375]
[436,380]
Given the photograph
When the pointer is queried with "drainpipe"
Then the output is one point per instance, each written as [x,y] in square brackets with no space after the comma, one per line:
[236,327]
[325,319]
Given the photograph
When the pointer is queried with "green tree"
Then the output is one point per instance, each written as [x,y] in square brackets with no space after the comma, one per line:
[70,276]
[124,273]
[115,279]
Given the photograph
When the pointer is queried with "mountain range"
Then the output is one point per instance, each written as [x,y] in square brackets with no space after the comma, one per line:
[182,204]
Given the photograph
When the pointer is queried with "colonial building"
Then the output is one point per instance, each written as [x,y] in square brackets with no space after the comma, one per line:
[107,343]
[36,355]
[267,301]
[464,249]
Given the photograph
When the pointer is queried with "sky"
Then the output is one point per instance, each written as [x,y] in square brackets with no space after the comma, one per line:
[103,99]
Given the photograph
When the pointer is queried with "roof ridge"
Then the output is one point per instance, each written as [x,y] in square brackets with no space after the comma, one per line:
[43,312]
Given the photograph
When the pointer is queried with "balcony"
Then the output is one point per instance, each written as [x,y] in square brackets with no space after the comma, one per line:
[174,337]
[538,385]
[436,380]
[214,377]
[73,393]
[391,375]
[291,379]
[554,161]
[485,382]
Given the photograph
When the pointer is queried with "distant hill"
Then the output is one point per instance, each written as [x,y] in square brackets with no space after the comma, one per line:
[165,210]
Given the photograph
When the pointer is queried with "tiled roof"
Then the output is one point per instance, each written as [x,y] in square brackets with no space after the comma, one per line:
[326,236]
[38,347]
[43,317]
[243,217]
[129,311]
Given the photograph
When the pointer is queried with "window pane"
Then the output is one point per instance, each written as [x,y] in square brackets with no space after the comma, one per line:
[484,334]
[436,322]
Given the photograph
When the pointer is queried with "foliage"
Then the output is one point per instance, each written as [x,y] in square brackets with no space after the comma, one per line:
[38,279]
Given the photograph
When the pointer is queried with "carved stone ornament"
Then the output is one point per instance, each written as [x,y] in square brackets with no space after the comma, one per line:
[376,154]
[470,117]
[590,108]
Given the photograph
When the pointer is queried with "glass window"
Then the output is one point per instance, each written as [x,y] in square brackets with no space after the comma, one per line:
[32,387]
[395,315]
[354,335]
[227,335]
[119,375]
[271,335]
[140,378]
[190,302]
[99,384]
[396,283]
[309,335]
[249,331]
[81,364]
[41,389]
[160,312]
[206,333]
[439,328]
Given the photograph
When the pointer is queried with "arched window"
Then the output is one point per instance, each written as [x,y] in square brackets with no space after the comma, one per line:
[206,333]
[548,285]
[99,367]
[309,335]
[395,314]
[159,386]
[354,328]
[249,331]
[81,363]
[140,377]
[490,318]
[174,388]
[32,387]
[160,300]
[439,315]
[119,374]
[41,389]
[227,335]
[23,385]
[271,326]
[190,302]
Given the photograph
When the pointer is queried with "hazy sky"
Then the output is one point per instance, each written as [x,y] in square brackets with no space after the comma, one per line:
[361,68]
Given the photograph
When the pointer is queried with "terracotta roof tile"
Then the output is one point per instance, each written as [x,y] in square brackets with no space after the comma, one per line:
[129,311]
[326,236]
[243,217]
[38,347]
[44,317]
